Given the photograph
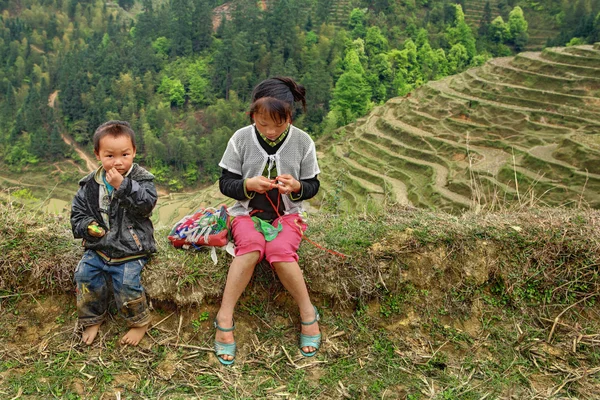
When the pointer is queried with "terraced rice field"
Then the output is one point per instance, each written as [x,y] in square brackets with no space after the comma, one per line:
[474,10]
[516,130]
[339,12]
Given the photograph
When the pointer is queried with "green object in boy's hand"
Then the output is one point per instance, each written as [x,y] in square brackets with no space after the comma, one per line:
[95,229]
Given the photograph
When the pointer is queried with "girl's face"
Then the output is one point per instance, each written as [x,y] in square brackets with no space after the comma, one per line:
[270,128]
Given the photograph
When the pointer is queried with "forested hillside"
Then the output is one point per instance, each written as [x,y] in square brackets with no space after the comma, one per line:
[181,71]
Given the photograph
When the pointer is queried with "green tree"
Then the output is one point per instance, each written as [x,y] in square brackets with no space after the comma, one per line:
[351,95]
[380,77]
[441,64]
[181,27]
[458,58]
[517,26]
[162,47]
[126,4]
[173,89]
[407,73]
[356,23]
[201,25]
[375,42]
[73,82]
[322,12]
[57,146]
[318,83]
[199,84]
[486,20]
[38,142]
[460,33]
[499,31]
[427,60]
[595,35]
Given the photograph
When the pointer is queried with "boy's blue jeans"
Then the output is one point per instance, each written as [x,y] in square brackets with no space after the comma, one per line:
[92,277]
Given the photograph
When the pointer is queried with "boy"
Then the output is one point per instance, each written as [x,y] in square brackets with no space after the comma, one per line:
[111,213]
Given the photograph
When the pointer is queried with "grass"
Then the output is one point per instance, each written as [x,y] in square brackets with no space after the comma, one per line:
[425,305]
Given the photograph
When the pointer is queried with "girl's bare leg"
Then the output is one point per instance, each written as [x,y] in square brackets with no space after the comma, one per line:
[291,277]
[239,275]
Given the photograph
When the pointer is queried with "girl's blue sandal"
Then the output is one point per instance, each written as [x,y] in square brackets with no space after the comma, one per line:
[310,340]
[227,349]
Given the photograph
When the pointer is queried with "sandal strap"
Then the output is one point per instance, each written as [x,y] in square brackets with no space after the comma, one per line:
[225,348]
[310,341]
[225,329]
[317,318]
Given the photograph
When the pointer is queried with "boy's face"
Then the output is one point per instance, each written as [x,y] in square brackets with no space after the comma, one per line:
[268,127]
[116,152]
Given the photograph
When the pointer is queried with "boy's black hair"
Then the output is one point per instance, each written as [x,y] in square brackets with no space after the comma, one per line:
[276,97]
[115,129]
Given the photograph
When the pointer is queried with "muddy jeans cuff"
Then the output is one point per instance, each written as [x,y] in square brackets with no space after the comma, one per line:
[140,320]
[84,322]
[136,312]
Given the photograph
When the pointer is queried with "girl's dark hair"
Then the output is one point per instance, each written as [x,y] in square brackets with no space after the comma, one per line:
[276,96]
[115,129]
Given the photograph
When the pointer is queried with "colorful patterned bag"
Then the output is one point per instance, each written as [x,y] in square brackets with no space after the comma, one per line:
[206,227]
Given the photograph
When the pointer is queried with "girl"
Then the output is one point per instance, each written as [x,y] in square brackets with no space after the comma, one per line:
[269,167]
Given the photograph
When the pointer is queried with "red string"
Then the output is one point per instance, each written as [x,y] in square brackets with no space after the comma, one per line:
[335,253]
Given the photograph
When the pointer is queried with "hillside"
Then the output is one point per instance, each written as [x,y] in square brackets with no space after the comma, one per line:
[541,26]
[516,130]
[424,306]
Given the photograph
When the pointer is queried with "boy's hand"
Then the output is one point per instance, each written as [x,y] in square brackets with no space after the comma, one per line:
[288,184]
[260,184]
[95,230]
[114,177]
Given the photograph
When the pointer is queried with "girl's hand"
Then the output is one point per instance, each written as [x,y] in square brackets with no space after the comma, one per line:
[260,184]
[114,177]
[288,184]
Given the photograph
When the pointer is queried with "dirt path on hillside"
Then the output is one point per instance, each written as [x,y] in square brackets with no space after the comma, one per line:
[90,164]
[16,182]
[77,166]
[36,49]
[52,98]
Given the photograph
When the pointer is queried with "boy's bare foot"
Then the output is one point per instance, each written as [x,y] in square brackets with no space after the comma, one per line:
[89,334]
[134,335]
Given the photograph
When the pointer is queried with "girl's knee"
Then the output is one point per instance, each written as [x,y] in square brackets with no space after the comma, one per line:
[282,260]
[249,259]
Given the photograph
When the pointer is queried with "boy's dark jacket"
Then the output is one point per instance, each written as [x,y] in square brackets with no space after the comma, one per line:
[131,232]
